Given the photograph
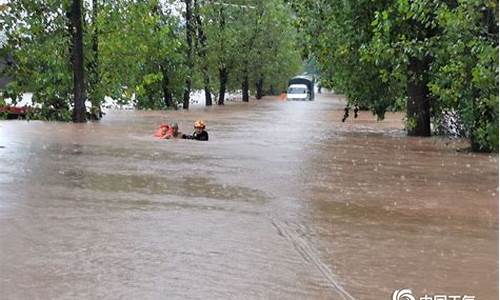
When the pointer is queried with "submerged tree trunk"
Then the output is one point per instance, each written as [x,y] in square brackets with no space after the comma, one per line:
[248,47]
[223,70]
[202,51]
[474,143]
[163,64]
[259,87]
[79,111]
[223,75]
[208,92]
[189,54]
[245,87]
[418,103]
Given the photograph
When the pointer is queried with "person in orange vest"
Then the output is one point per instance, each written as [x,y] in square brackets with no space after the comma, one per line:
[164,131]
[283,96]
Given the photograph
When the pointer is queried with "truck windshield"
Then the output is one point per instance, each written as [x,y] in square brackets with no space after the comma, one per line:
[297,90]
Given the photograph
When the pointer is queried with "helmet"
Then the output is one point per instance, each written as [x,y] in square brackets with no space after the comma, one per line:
[199,124]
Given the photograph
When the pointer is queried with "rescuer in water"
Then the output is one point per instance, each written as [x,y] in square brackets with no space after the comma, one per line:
[199,132]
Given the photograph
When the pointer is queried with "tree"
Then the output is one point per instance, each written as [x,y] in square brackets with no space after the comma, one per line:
[189,51]
[253,44]
[46,41]
[79,94]
[249,33]
[276,55]
[94,81]
[408,30]
[202,48]
[222,45]
[466,70]
[142,54]
[336,33]
[223,66]
[430,58]
[450,50]
[39,38]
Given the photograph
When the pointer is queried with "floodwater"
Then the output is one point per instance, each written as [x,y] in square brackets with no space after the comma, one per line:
[284,202]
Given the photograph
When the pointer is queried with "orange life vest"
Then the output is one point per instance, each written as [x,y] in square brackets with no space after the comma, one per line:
[164,131]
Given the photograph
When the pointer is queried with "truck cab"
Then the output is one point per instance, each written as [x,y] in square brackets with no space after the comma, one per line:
[297,92]
[303,81]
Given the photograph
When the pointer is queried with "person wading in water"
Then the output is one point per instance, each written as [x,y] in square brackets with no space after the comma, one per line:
[166,131]
[199,132]
[175,131]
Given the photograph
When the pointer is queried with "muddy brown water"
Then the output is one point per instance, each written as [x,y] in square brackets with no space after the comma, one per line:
[284,202]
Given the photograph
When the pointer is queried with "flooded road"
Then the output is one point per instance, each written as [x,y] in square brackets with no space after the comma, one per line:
[284,202]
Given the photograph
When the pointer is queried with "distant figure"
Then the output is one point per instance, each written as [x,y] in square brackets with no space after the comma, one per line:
[346,112]
[319,88]
[199,132]
[283,96]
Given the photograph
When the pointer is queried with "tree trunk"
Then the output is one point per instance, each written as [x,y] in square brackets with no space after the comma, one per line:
[163,65]
[79,111]
[223,72]
[189,54]
[208,93]
[167,93]
[223,75]
[259,86]
[418,103]
[475,145]
[244,88]
[248,47]
[203,54]
[94,66]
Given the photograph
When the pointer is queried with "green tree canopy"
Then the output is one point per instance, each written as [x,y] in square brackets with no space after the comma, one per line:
[431,58]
